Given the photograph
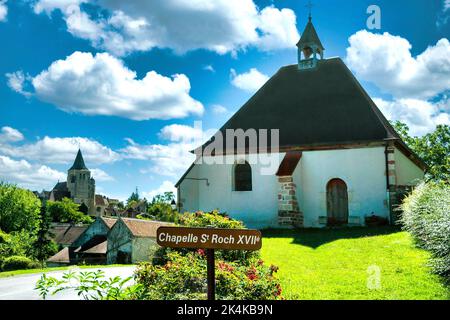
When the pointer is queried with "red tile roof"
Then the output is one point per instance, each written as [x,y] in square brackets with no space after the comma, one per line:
[144,228]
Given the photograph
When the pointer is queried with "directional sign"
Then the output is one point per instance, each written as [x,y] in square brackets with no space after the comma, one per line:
[209,238]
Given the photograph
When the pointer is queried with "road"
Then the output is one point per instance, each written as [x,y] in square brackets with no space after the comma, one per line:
[21,287]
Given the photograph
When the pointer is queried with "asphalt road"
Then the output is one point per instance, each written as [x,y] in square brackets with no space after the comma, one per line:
[21,287]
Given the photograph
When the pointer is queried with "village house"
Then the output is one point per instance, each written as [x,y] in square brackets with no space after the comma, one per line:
[132,240]
[110,241]
[338,161]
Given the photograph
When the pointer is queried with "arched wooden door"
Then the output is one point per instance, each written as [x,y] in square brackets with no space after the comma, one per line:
[337,202]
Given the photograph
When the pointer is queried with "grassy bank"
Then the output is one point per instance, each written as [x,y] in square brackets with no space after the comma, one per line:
[336,264]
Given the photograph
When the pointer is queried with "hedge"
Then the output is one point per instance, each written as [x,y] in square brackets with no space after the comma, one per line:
[426,215]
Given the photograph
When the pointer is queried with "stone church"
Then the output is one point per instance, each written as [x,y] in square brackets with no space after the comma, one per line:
[338,159]
[80,186]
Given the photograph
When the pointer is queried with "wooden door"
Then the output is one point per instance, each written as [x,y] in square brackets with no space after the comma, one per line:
[337,202]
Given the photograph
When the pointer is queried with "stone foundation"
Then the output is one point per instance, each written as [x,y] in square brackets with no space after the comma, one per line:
[289,214]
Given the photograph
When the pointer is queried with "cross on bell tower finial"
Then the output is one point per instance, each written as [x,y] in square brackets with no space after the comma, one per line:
[309,5]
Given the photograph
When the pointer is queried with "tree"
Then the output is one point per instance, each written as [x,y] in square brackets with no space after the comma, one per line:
[44,247]
[19,209]
[166,197]
[134,198]
[433,148]
[66,211]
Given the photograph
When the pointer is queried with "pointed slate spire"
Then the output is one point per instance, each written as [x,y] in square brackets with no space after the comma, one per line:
[79,162]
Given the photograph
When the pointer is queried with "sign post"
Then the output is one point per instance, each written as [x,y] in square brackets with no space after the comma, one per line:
[209,239]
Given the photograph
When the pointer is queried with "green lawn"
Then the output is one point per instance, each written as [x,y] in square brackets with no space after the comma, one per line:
[44,270]
[333,264]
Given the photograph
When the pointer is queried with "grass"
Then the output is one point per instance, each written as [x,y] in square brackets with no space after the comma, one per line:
[333,264]
[6,274]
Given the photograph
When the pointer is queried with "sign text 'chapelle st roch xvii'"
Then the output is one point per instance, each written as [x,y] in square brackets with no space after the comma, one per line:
[209,238]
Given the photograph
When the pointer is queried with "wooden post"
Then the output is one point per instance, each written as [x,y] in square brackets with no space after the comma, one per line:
[210,267]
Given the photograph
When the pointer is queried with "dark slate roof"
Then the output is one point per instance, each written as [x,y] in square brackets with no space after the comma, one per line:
[59,192]
[322,106]
[310,37]
[79,162]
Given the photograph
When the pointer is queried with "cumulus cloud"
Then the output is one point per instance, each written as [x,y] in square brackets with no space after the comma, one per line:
[61,150]
[219,109]
[16,81]
[209,68]
[103,85]
[100,175]
[249,81]
[221,26]
[386,61]
[8,134]
[170,159]
[421,116]
[178,132]
[28,175]
[3,10]
[166,186]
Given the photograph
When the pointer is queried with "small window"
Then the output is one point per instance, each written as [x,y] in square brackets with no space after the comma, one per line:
[242,177]
[72,179]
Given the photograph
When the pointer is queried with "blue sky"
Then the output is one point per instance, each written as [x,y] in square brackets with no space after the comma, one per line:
[135,128]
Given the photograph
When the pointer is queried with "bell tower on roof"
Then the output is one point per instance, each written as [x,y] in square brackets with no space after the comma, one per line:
[310,49]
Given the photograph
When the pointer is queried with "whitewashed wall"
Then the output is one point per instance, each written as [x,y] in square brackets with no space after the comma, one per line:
[257,208]
[407,172]
[363,170]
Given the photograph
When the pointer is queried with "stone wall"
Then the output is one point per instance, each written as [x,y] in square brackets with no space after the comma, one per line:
[289,214]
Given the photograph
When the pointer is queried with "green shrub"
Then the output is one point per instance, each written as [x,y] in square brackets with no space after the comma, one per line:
[184,277]
[18,263]
[426,215]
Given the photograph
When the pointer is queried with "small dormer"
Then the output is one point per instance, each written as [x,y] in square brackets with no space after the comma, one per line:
[310,49]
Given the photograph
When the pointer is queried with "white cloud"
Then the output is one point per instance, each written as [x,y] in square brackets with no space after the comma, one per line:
[100,175]
[209,68]
[221,26]
[3,10]
[16,81]
[386,61]
[421,116]
[61,151]
[219,109]
[170,159]
[27,175]
[102,85]
[446,5]
[8,134]
[249,81]
[166,186]
[178,132]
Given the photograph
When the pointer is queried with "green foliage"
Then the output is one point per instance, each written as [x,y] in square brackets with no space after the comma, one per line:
[19,209]
[166,197]
[160,209]
[184,277]
[90,286]
[134,198]
[426,215]
[66,211]
[433,148]
[44,247]
[18,263]
[17,243]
